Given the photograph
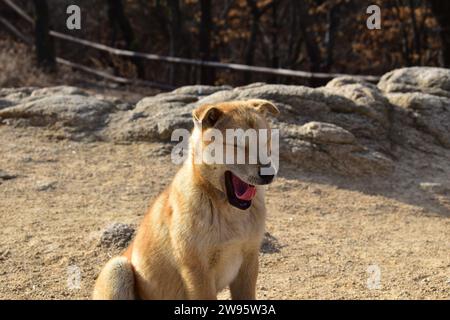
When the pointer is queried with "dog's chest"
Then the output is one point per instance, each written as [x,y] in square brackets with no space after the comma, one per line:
[234,232]
[226,263]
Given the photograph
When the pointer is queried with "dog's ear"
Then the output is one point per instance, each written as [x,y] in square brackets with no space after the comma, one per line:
[207,115]
[264,106]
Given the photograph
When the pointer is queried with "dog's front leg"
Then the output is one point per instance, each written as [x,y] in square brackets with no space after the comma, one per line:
[243,286]
[199,283]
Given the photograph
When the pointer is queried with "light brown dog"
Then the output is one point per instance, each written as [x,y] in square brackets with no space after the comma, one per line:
[204,232]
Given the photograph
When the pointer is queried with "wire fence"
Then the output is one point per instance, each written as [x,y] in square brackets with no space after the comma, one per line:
[161,58]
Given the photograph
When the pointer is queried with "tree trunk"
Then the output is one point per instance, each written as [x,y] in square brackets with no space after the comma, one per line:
[175,32]
[330,36]
[206,74]
[275,54]
[312,47]
[45,49]
[117,17]
[441,11]
[416,33]
[406,52]
[295,39]
[250,53]
[256,14]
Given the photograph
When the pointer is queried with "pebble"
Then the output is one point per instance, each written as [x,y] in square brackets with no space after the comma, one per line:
[7,176]
[45,185]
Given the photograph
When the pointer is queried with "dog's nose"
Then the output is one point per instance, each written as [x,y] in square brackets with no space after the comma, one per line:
[267,178]
[267,173]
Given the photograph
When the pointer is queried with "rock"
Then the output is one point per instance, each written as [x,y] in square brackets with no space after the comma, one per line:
[46,185]
[58,90]
[270,244]
[4,254]
[368,99]
[161,150]
[66,108]
[434,187]
[318,146]
[117,235]
[5,103]
[294,102]
[336,118]
[348,127]
[7,176]
[153,118]
[123,106]
[430,80]
[429,113]
[200,90]
[319,132]
[15,95]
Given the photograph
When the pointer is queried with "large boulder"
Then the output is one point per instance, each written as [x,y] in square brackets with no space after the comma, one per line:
[348,126]
[153,118]
[422,98]
[326,147]
[320,132]
[76,113]
[199,90]
[429,113]
[435,81]
[117,235]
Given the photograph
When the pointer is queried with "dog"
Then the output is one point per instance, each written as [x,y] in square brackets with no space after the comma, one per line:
[204,232]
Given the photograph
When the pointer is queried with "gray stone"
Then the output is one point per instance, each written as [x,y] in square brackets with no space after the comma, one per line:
[117,235]
[46,185]
[200,90]
[7,176]
[66,108]
[431,80]
[320,132]
[429,113]
[435,187]
[349,126]
[270,244]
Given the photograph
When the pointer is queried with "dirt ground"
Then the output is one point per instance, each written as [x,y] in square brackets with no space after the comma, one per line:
[337,238]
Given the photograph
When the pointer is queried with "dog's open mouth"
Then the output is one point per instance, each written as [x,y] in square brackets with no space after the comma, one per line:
[239,193]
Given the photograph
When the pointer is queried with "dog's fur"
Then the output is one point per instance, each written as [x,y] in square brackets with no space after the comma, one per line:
[192,243]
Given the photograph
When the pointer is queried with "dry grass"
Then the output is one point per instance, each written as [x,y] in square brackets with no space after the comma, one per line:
[19,69]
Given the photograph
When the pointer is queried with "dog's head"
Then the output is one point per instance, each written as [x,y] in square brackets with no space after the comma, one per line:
[232,143]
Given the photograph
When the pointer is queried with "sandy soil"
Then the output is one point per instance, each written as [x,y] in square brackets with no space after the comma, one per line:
[335,234]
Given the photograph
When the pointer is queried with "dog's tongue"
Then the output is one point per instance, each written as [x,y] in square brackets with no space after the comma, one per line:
[243,190]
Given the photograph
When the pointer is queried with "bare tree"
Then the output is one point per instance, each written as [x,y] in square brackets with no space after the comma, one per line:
[118,19]
[330,35]
[45,49]
[256,13]
[295,39]
[311,45]
[274,39]
[441,10]
[415,29]
[175,34]
[206,25]
[405,49]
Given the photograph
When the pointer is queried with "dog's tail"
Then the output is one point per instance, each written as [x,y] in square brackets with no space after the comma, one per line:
[116,281]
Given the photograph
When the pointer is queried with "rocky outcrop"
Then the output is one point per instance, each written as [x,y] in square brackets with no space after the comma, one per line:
[77,114]
[117,235]
[434,81]
[153,118]
[424,95]
[436,187]
[348,126]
